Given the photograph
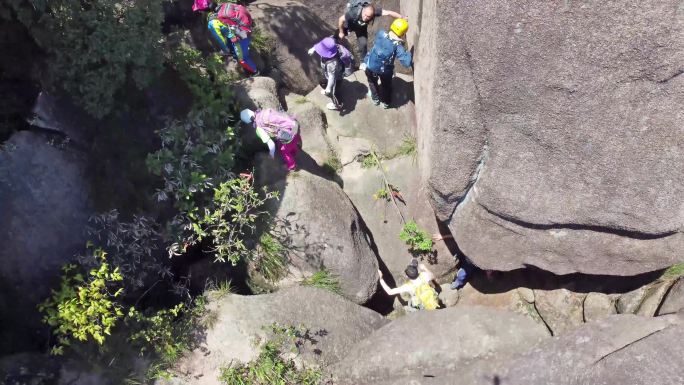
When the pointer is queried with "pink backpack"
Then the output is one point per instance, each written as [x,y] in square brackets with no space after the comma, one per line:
[279,125]
[201,5]
[235,15]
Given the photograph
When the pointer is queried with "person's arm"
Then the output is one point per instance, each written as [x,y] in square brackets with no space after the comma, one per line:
[263,135]
[340,26]
[423,269]
[404,56]
[393,14]
[389,290]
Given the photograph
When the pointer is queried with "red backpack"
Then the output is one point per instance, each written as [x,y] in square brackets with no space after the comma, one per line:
[235,15]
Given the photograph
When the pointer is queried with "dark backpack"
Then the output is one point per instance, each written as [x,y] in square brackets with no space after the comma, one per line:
[235,15]
[354,8]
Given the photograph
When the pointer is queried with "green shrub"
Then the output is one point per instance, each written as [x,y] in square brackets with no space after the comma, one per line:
[271,367]
[167,333]
[418,240]
[674,271]
[324,280]
[94,48]
[85,307]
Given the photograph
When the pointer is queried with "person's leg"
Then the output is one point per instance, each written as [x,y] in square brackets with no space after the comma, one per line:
[386,89]
[373,86]
[289,151]
[242,50]
[362,41]
[214,27]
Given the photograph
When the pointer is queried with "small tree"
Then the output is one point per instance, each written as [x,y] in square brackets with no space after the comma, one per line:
[84,307]
[418,240]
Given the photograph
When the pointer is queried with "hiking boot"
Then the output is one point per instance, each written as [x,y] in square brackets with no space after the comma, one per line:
[376,101]
[385,106]
[332,106]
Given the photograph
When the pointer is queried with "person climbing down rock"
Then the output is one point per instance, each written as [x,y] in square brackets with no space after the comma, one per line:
[380,62]
[231,27]
[336,63]
[357,17]
[423,295]
[274,127]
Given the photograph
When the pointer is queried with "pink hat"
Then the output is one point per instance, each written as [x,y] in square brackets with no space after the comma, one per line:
[326,48]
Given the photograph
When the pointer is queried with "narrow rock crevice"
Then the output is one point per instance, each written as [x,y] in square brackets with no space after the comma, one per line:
[578,227]
[627,345]
[672,77]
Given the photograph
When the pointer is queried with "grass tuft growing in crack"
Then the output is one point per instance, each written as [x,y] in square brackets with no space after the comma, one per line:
[325,280]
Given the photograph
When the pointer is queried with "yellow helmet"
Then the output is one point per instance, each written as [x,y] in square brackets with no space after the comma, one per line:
[399,27]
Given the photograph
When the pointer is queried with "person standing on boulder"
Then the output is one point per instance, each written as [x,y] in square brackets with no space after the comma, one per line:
[423,295]
[231,27]
[275,127]
[357,17]
[380,61]
[336,63]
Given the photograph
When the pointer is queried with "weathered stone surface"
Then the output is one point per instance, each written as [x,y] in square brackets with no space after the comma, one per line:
[674,300]
[560,309]
[618,349]
[629,303]
[296,29]
[323,230]
[447,296]
[241,319]
[509,301]
[257,93]
[431,343]
[527,294]
[383,219]
[312,129]
[44,207]
[597,306]
[653,297]
[581,125]
[384,129]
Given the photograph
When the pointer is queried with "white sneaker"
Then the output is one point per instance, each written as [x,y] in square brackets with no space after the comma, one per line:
[332,106]
[323,91]
[362,67]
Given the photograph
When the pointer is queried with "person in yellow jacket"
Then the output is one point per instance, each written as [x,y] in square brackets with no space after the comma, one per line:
[423,295]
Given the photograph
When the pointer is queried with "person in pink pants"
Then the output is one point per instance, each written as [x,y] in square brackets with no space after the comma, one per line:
[276,127]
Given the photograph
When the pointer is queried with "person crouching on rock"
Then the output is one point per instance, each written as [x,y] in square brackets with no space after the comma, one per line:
[380,61]
[231,27]
[423,295]
[336,63]
[275,127]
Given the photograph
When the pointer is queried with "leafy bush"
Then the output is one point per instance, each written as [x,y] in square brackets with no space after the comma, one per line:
[418,240]
[133,247]
[84,307]
[168,333]
[271,367]
[95,47]
[324,280]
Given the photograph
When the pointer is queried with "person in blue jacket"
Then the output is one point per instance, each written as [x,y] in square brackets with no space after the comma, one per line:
[380,61]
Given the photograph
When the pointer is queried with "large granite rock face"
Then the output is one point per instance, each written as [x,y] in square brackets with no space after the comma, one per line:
[428,344]
[241,320]
[549,130]
[620,349]
[296,29]
[321,229]
[44,208]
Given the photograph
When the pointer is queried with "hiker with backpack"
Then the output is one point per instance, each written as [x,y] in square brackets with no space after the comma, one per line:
[336,63]
[275,128]
[423,295]
[380,62]
[231,27]
[358,15]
